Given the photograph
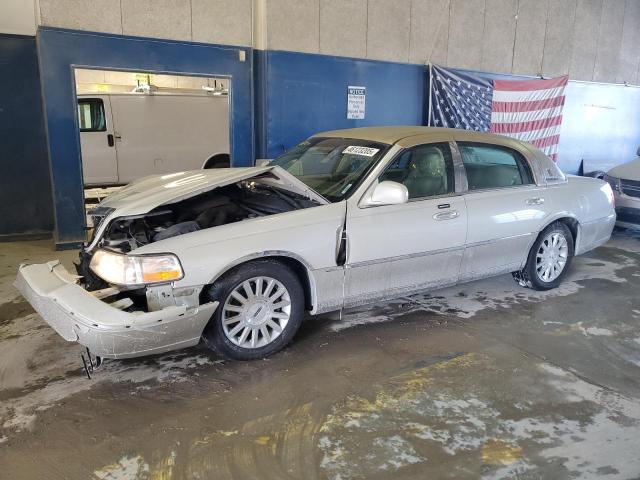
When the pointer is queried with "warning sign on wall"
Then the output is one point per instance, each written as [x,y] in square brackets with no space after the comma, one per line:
[355,102]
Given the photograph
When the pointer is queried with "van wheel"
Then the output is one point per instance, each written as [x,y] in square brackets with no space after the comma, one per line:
[261,308]
[222,160]
[549,258]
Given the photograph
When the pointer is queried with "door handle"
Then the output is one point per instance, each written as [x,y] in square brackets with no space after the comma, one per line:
[110,140]
[446,215]
[535,201]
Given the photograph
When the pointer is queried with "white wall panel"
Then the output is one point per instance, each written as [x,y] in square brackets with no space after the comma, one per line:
[586,30]
[389,23]
[607,62]
[222,21]
[499,35]
[18,17]
[343,27]
[530,33]
[466,28]
[91,15]
[170,19]
[629,70]
[293,25]
[558,43]
[429,29]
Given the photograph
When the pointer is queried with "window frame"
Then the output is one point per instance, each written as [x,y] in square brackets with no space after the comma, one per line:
[451,174]
[525,162]
[95,101]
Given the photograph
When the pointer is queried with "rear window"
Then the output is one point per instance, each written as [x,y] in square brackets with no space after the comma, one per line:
[91,115]
[494,166]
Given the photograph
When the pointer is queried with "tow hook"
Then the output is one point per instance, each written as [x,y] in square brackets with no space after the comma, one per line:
[90,365]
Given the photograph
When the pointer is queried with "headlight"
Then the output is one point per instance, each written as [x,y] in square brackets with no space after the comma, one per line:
[136,269]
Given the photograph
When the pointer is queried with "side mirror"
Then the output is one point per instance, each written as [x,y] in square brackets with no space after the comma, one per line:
[387,193]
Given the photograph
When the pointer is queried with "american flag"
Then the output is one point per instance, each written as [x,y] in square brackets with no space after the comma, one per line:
[529,110]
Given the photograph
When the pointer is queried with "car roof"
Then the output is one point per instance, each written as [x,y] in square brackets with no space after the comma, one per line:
[417,134]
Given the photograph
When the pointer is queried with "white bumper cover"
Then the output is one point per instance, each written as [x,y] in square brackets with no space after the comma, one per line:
[109,332]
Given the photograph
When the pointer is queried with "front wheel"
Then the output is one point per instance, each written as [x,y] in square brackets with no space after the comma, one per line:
[549,258]
[261,305]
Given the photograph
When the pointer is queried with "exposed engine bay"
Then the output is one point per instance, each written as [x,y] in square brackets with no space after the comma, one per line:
[232,203]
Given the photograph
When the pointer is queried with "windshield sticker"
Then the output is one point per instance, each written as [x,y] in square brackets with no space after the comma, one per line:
[364,151]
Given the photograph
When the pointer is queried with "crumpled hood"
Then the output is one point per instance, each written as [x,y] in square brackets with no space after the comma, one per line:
[628,171]
[145,194]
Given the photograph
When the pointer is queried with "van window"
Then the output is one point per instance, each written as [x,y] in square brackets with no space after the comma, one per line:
[91,115]
[493,166]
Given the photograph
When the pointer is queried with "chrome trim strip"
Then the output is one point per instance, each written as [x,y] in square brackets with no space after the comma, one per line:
[367,263]
[496,240]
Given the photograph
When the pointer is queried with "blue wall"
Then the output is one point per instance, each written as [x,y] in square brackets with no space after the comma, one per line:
[61,50]
[25,192]
[300,94]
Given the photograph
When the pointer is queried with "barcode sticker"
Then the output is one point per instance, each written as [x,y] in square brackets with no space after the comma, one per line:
[364,151]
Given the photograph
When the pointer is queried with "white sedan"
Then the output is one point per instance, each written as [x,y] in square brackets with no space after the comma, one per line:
[236,256]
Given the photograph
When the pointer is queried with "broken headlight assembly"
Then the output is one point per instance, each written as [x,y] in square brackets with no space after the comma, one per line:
[130,270]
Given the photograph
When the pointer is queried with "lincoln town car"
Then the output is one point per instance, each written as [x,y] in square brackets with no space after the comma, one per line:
[236,257]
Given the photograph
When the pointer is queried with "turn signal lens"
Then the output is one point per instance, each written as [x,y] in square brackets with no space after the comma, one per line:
[122,269]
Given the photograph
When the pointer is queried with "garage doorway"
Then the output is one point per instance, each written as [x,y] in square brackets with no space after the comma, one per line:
[135,124]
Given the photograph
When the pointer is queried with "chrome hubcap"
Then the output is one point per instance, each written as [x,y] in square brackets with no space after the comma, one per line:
[551,257]
[256,312]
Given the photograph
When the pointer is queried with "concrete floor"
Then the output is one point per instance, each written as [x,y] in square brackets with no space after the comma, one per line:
[485,380]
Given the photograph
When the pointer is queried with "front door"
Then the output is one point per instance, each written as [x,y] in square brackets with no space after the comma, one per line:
[397,250]
[97,143]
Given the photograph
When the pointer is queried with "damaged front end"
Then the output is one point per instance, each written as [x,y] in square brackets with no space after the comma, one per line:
[124,304]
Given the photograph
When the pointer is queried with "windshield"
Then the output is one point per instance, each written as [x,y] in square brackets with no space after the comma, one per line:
[333,167]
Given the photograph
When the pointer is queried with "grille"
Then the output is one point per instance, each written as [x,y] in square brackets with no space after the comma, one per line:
[630,187]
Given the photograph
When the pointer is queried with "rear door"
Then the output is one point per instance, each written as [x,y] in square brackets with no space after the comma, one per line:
[400,249]
[505,207]
[97,143]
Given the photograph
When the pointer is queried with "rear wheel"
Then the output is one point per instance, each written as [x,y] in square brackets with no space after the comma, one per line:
[549,258]
[261,305]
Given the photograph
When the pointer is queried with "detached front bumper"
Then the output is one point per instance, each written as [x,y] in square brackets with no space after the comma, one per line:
[79,316]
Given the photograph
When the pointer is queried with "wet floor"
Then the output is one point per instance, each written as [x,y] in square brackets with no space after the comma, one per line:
[484,380]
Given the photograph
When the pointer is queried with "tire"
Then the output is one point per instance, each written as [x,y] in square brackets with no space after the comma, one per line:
[541,270]
[257,314]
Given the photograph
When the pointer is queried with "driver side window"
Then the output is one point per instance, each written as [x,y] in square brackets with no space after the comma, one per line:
[426,170]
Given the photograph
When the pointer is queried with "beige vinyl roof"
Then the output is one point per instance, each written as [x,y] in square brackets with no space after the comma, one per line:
[391,135]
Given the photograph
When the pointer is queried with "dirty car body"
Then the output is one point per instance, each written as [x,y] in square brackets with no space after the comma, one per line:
[356,216]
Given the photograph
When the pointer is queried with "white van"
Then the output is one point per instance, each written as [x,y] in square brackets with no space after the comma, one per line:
[127,136]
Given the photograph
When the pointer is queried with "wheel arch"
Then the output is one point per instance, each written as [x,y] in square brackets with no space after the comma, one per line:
[569,220]
[296,263]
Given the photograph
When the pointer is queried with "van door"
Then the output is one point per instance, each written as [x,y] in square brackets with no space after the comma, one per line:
[97,143]
[158,134]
